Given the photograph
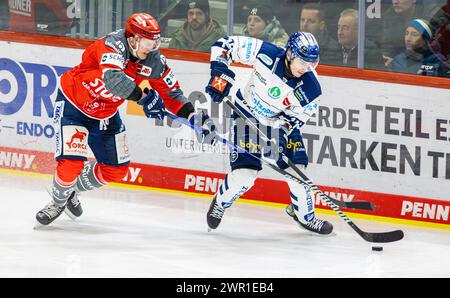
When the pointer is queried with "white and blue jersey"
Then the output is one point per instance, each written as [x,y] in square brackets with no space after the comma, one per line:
[268,93]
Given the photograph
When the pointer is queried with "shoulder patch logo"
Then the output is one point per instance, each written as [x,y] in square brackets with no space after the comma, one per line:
[266,59]
[113,59]
[274,92]
[144,71]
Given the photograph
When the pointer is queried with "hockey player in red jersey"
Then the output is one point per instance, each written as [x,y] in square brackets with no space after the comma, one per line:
[86,111]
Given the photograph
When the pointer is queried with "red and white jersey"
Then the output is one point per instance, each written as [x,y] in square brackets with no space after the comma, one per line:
[83,85]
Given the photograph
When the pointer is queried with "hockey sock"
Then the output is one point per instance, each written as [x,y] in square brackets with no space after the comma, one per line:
[88,179]
[234,185]
[302,200]
[61,191]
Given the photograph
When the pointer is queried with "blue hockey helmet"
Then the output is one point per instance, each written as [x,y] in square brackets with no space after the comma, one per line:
[303,45]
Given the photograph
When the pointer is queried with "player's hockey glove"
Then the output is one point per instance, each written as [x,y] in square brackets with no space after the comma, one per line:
[208,133]
[292,149]
[222,79]
[290,146]
[153,105]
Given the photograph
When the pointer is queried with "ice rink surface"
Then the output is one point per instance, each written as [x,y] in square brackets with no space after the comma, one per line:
[136,233]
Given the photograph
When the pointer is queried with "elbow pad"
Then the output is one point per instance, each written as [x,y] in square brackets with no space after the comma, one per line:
[118,83]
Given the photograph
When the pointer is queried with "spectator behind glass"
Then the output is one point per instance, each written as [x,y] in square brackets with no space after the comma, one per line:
[440,41]
[395,21]
[4,15]
[200,31]
[348,40]
[417,58]
[312,20]
[40,16]
[262,24]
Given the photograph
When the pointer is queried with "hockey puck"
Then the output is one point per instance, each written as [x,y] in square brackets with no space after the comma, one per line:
[377,248]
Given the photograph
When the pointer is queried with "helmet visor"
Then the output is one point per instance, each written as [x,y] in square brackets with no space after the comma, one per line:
[149,44]
[304,66]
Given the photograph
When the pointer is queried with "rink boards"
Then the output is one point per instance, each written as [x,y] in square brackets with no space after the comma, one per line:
[373,141]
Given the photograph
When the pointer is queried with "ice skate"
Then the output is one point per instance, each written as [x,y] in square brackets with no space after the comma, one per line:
[50,212]
[73,207]
[318,226]
[214,215]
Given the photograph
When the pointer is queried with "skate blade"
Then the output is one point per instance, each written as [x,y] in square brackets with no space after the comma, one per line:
[37,225]
[314,234]
[70,214]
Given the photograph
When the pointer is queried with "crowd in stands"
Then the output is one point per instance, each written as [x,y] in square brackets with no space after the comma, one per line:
[409,36]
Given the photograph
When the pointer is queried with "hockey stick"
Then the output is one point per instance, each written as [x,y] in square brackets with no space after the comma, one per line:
[306,180]
[352,205]
[370,237]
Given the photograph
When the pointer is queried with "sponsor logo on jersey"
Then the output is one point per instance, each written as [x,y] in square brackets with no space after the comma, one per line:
[78,135]
[260,109]
[122,149]
[274,92]
[170,79]
[301,96]
[266,59]
[250,146]
[76,140]
[96,90]
[57,111]
[113,59]
[163,59]
[286,102]
[91,107]
[219,84]
[295,146]
[144,71]
[249,48]
[118,49]
[309,217]
[260,78]
[234,156]
[223,57]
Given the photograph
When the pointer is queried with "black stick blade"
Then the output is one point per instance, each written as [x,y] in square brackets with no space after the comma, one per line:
[383,237]
[354,205]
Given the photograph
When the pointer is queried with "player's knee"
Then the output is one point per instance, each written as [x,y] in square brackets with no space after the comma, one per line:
[113,173]
[68,170]
[244,177]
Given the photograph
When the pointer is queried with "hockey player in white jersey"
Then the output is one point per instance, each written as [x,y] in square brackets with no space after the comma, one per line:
[280,96]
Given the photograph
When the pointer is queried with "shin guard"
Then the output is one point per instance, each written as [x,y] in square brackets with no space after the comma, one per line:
[302,200]
[234,185]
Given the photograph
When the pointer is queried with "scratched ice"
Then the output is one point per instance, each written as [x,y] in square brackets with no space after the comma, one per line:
[135,233]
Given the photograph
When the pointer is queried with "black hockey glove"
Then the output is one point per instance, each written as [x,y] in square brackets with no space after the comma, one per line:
[222,79]
[153,105]
[208,133]
[291,147]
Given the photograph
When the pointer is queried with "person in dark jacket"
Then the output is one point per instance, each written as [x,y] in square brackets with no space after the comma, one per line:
[417,58]
[395,21]
[312,20]
[200,31]
[348,40]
